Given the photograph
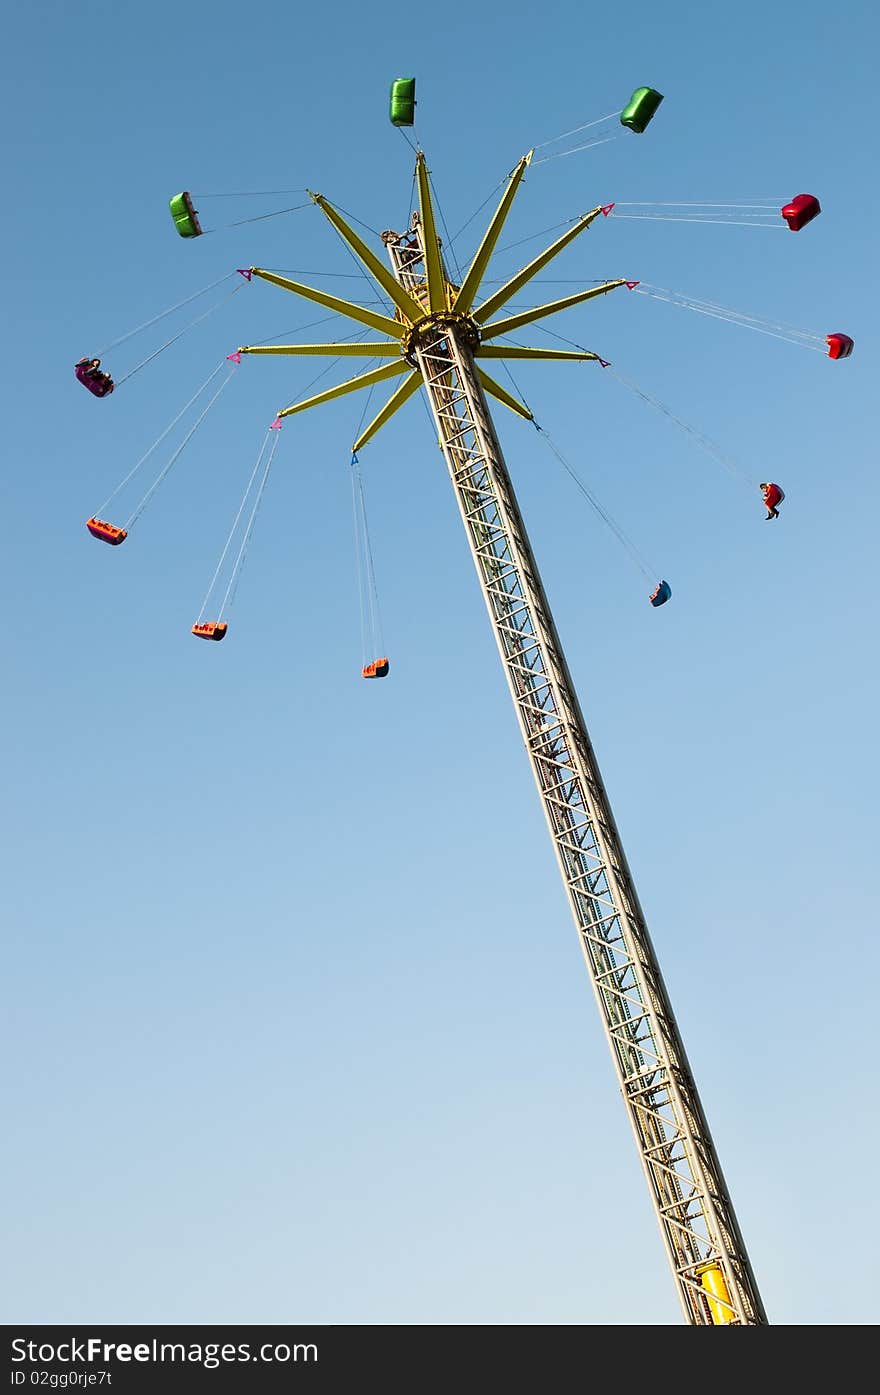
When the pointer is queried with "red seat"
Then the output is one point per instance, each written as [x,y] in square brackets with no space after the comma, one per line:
[802,210]
[839,345]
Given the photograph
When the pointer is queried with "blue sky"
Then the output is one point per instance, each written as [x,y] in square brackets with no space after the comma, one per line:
[297,1026]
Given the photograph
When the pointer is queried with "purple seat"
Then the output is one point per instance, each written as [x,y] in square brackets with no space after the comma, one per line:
[98,383]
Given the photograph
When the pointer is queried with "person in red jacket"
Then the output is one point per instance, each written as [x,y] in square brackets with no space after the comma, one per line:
[773,495]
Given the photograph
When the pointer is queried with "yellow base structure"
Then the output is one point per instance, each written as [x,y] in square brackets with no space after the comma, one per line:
[720,1305]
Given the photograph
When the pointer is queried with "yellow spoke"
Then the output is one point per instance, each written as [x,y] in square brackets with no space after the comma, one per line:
[376,375]
[513,285]
[539,311]
[333,302]
[397,399]
[502,395]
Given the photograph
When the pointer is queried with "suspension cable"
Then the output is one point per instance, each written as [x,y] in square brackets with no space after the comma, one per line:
[385,302]
[477,211]
[728,222]
[589,145]
[159,439]
[161,316]
[338,275]
[694,302]
[260,216]
[242,551]
[508,246]
[155,485]
[412,196]
[449,245]
[360,560]
[704,442]
[358,221]
[763,214]
[587,493]
[765,206]
[299,329]
[359,530]
[372,588]
[251,194]
[181,333]
[347,339]
[806,339]
[244,499]
[574,130]
[602,512]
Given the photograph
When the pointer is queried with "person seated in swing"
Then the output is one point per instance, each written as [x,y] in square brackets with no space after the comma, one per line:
[89,368]
[773,495]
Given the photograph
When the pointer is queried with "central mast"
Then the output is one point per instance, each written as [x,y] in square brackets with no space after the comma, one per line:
[700,1231]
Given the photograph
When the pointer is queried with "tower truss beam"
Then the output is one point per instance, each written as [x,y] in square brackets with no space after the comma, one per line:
[691,1201]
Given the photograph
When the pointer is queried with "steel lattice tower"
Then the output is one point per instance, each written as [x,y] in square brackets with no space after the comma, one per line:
[436,340]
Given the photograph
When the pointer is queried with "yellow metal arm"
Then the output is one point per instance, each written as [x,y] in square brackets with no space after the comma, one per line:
[539,311]
[397,399]
[359,350]
[402,299]
[512,286]
[470,285]
[514,351]
[433,264]
[376,375]
[502,395]
[333,302]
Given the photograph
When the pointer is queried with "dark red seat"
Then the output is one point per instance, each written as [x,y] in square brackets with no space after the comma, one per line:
[802,210]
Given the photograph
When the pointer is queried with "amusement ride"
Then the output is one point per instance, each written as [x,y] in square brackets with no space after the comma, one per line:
[442,336]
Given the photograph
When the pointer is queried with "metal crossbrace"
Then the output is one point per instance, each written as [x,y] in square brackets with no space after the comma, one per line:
[691,1200]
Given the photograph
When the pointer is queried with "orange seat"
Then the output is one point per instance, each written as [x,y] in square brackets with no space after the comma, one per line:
[377,669]
[214,629]
[106,531]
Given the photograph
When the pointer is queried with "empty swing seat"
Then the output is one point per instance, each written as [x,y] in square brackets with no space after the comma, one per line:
[106,531]
[640,108]
[402,104]
[839,345]
[661,594]
[214,629]
[186,219]
[377,669]
[802,210]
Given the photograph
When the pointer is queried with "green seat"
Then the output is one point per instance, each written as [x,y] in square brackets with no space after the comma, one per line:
[402,108]
[640,108]
[185,217]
